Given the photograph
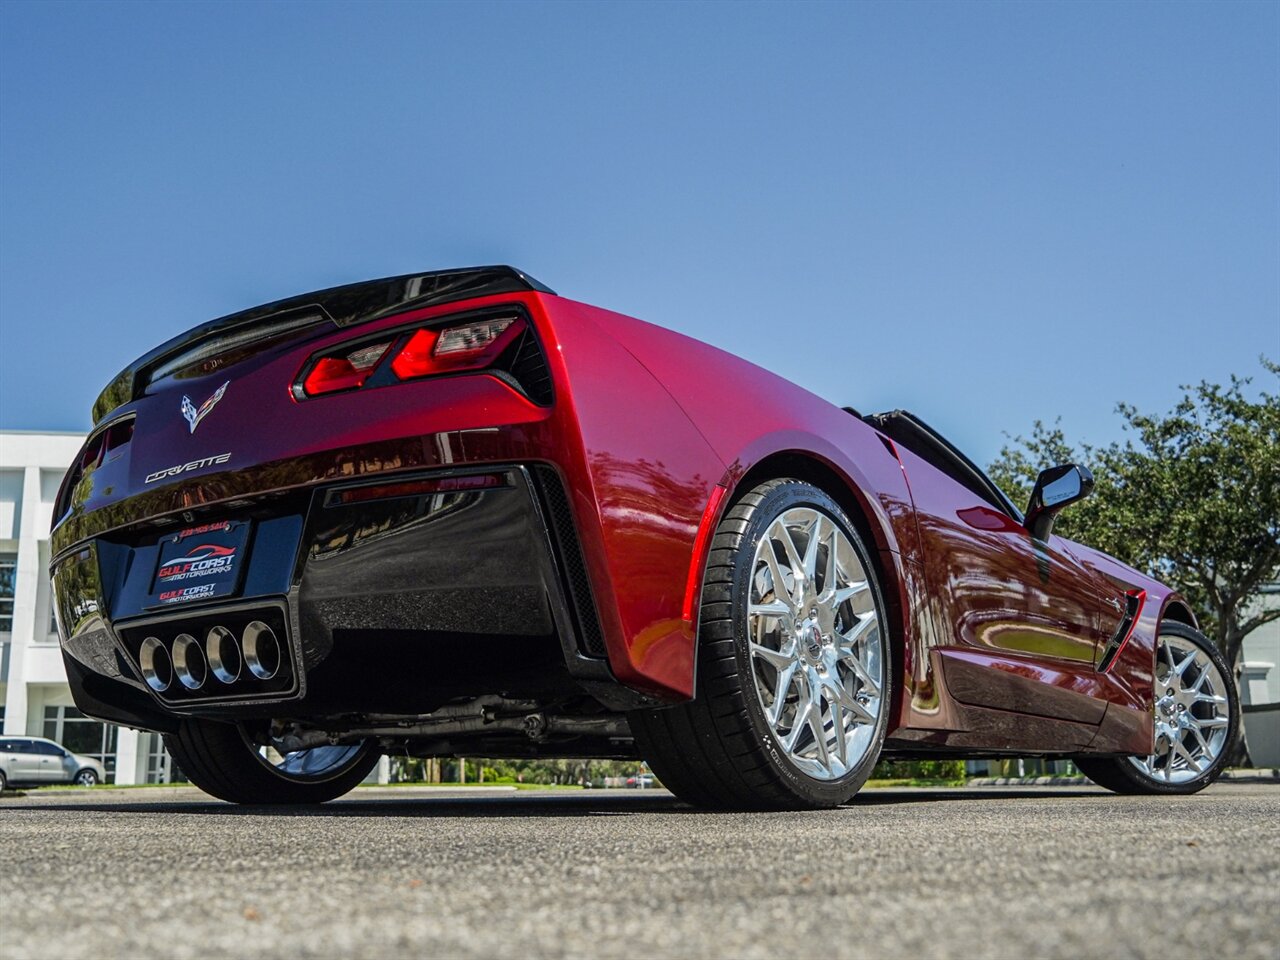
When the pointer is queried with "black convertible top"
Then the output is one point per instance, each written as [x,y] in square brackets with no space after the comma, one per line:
[910,431]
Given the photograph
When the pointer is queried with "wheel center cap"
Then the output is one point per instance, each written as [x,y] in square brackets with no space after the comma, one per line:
[811,641]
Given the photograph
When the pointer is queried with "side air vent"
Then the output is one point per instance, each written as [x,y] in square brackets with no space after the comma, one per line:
[528,366]
[572,567]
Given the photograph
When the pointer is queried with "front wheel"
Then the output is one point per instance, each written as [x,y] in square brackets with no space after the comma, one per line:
[794,671]
[225,760]
[87,778]
[1197,712]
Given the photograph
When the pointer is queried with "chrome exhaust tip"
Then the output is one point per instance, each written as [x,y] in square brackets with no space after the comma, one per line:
[222,651]
[189,662]
[157,668]
[262,654]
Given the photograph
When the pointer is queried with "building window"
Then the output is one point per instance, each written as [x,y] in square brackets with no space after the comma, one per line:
[79,734]
[160,768]
[8,577]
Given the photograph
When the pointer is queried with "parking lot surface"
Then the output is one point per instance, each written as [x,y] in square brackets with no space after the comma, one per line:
[404,872]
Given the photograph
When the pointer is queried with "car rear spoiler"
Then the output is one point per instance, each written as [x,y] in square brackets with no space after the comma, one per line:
[344,306]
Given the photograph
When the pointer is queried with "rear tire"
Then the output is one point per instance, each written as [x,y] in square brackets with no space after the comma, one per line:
[782,718]
[223,761]
[1197,716]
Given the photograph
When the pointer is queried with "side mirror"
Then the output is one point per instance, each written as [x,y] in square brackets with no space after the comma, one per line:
[1055,488]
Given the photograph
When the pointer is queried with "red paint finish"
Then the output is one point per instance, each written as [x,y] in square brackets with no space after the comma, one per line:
[655,435]
[706,528]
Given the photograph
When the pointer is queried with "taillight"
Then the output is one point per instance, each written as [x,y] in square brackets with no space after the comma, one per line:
[502,345]
[468,346]
[344,371]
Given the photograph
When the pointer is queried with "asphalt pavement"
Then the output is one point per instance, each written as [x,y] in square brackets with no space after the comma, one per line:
[963,873]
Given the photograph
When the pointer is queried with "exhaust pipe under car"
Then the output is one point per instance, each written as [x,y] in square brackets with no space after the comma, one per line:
[157,667]
[262,653]
[222,651]
[189,662]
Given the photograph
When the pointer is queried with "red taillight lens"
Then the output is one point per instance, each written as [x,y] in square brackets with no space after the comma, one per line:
[468,346]
[345,371]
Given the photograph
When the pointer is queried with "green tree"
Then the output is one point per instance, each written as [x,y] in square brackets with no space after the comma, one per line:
[1192,497]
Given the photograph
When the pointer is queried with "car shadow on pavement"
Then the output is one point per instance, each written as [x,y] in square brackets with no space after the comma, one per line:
[553,805]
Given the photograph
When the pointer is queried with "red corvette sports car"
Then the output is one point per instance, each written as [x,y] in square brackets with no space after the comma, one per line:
[455,514]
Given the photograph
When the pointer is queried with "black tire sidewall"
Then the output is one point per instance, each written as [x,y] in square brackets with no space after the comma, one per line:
[219,759]
[787,496]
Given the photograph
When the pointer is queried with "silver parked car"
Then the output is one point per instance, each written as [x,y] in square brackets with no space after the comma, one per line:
[34,761]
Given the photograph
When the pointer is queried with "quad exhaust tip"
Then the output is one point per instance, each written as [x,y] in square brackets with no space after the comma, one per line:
[222,651]
[189,662]
[221,654]
[262,653]
[157,667]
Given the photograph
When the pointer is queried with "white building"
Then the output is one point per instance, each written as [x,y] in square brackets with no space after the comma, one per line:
[34,696]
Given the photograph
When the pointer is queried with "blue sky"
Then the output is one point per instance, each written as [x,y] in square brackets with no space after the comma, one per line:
[986,213]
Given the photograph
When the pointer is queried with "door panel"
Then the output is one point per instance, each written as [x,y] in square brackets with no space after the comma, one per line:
[24,763]
[1006,598]
[52,763]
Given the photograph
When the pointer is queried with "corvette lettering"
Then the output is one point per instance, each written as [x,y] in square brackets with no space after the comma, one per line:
[187,467]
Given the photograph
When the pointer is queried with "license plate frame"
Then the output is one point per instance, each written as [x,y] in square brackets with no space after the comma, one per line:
[200,563]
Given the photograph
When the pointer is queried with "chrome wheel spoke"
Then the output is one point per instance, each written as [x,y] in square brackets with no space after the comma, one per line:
[777,658]
[783,533]
[816,654]
[837,726]
[779,582]
[810,562]
[1181,667]
[819,733]
[1191,713]
[869,685]
[851,703]
[774,608]
[847,593]
[780,692]
[798,726]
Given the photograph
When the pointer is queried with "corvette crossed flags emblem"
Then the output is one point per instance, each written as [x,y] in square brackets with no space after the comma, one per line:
[194,415]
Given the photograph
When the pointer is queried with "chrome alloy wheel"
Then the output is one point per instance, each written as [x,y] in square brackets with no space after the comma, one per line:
[1191,713]
[816,647]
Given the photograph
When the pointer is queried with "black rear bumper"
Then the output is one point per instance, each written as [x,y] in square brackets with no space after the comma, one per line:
[387,601]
